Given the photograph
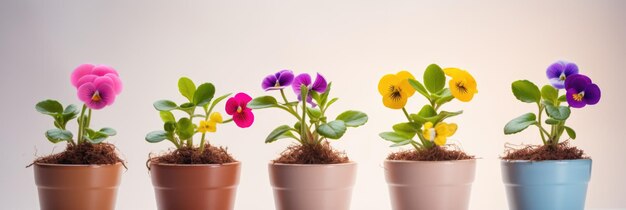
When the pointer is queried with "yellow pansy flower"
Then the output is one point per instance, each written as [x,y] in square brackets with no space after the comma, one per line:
[209,126]
[462,84]
[396,89]
[439,133]
[216,117]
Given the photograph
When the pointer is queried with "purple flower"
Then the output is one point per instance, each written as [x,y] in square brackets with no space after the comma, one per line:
[305,79]
[581,91]
[559,71]
[278,81]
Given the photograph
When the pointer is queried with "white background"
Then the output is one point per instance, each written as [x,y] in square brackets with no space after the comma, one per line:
[234,44]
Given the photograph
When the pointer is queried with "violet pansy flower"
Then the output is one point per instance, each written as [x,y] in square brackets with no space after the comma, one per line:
[559,71]
[278,81]
[97,85]
[581,91]
[319,86]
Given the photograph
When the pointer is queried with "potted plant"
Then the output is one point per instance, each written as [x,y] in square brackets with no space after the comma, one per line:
[196,177]
[431,175]
[553,175]
[87,173]
[309,175]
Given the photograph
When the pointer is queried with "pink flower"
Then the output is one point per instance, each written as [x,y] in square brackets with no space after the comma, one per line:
[237,107]
[97,85]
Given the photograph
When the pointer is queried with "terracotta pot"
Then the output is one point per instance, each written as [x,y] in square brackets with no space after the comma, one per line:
[77,187]
[546,185]
[312,187]
[195,187]
[430,185]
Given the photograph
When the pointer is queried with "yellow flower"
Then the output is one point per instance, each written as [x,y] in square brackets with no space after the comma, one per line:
[216,117]
[462,84]
[209,126]
[396,89]
[439,133]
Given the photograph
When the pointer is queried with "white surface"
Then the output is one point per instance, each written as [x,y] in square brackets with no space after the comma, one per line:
[235,44]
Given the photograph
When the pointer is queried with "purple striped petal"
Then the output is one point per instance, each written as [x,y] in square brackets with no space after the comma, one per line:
[269,83]
[592,94]
[555,70]
[320,84]
[285,77]
[302,79]
[578,82]
[570,69]
[573,102]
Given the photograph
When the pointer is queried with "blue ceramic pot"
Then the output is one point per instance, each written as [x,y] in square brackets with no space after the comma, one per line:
[546,185]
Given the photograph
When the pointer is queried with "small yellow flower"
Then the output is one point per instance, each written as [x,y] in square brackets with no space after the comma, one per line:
[439,133]
[209,126]
[396,89]
[216,117]
[462,84]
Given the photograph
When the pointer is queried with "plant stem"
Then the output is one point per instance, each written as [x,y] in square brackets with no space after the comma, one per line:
[81,125]
[543,138]
[303,126]
[202,142]
[406,114]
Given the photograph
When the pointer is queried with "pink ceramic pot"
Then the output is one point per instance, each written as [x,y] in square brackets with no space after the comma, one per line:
[430,185]
[312,187]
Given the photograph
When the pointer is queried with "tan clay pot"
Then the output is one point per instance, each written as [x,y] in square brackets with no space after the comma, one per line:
[430,185]
[312,187]
[77,187]
[195,187]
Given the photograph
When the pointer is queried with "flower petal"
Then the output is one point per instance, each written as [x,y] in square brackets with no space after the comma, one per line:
[592,94]
[386,84]
[302,79]
[571,101]
[79,72]
[107,93]
[231,106]
[117,82]
[216,117]
[557,83]
[269,82]
[404,84]
[320,84]
[440,140]
[578,82]
[243,99]
[244,119]
[555,70]
[86,79]
[102,70]
[396,103]
[570,69]
[86,91]
[285,77]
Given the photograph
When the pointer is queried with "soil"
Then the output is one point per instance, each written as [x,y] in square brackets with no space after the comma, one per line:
[562,151]
[433,154]
[312,154]
[84,154]
[187,155]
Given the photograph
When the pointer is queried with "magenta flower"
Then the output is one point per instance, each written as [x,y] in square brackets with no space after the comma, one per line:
[97,94]
[237,107]
[89,73]
[559,71]
[581,91]
[305,79]
[278,81]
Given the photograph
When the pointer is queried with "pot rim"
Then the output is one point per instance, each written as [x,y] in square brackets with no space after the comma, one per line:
[430,161]
[546,161]
[312,165]
[197,165]
[76,165]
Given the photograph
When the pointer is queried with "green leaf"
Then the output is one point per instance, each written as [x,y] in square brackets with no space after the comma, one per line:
[332,101]
[219,99]
[419,88]
[49,107]
[407,129]
[297,126]
[189,108]
[169,126]
[58,135]
[70,112]
[526,91]
[427,111]
[324,96]
[520,123]
[278,132]
[353,118]
[551,121]
[165,105]
[558,113]
[167,116]
[186,88]
[563,98]
[402,143]
[570,132]
[393,137]
[262,102]
[314,113]
[204,94]
[332,130]
[549,93]
[184,128]
[108,131]
[156,136]
[97,137]
[445,97]
[434,78]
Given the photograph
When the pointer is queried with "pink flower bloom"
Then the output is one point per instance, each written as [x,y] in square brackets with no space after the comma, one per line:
[86,73]
[97,94]
[237,107]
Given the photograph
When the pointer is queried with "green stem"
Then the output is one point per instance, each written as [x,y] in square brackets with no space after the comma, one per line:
[539,115]
[303,126]
[202,142]
[406,114]
[81,125]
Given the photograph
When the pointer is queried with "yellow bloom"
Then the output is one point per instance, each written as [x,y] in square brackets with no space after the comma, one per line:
[462,84]
[216,117]
[209,126]
[396,89]
[439,133]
